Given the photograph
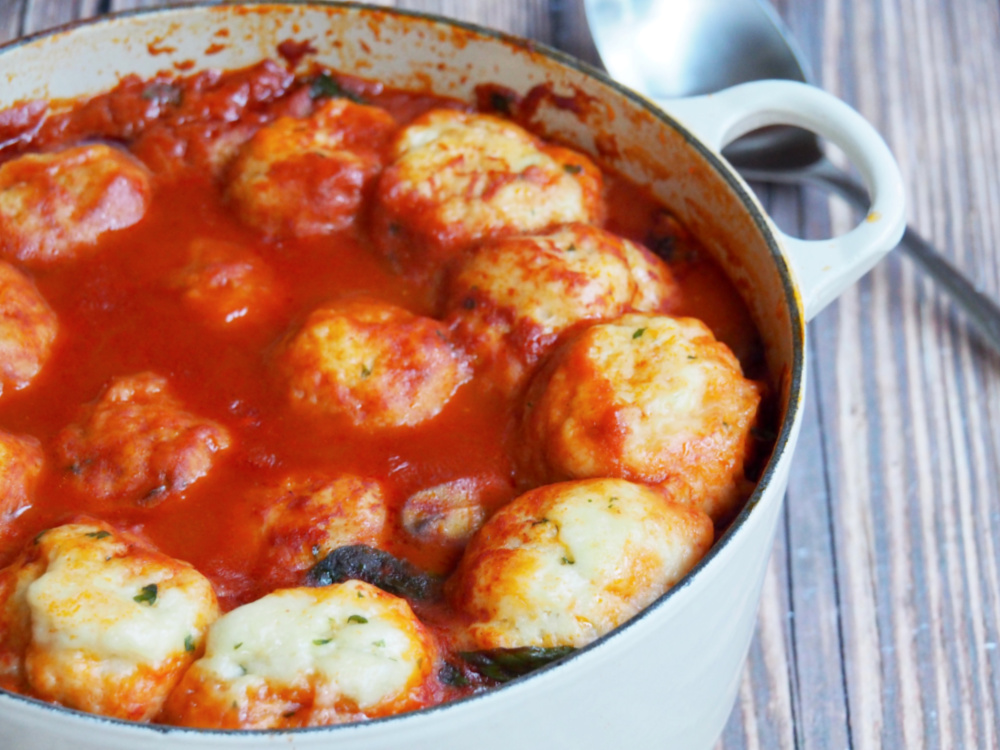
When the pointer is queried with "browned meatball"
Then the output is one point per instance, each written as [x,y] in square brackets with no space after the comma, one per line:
[651,398]
[374,363]
[307,518]
[306,176]
[304,657]
[20,464]
[456,178]
[512,298]
[227,284]
[53,206]
[565,563]
[28,328]
[96,619]
[136,443]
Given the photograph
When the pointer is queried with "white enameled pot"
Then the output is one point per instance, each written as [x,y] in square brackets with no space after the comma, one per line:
[667,678]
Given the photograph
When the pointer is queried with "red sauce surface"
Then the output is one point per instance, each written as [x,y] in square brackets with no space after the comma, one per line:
[119,315]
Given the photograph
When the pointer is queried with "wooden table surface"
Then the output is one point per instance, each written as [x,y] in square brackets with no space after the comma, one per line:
[881,611]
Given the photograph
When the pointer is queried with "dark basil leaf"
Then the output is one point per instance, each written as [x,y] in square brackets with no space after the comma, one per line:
[377,567]
[504,664]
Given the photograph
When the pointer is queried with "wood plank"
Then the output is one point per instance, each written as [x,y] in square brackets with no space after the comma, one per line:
[917,613]
[39,15]
[11,15]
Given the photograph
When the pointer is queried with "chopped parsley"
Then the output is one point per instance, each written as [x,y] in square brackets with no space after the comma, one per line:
[147,595]
[358,619]
[638,332]
[321,641]
[572,168]
[324,86]
[189,643]
[102,534]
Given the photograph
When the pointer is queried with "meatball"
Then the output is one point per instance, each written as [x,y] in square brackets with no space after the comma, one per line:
[28,329]
[20,465]
[227,284]
[376,364]
[307,518]
[564,564]
[299,177]
[651,398]
[512,298]
[54,206]
[307,657]
[136,443]
[455,178]
[102,622]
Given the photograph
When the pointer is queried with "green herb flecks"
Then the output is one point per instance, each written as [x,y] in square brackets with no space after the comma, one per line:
[453,676]
[572,168]
[189,644]
[102,534]
[147,595]
[325,86]
[357,619]
[638,332]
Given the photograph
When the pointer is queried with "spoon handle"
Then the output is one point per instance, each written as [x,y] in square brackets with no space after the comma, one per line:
[982,311]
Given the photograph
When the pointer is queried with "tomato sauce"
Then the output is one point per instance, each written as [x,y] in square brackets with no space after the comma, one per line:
[120,313]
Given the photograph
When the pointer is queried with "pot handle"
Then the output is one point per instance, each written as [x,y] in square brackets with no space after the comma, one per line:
[823,268]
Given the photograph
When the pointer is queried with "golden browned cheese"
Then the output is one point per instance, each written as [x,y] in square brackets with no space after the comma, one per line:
[378,365]
[137,443]
[651,398]
[456,178]
[308,657]
[564,564]
[28,329]
[21,460]
[306,518]
[511,299]
[226,284]
[94,619]
[299,177]
[54,206]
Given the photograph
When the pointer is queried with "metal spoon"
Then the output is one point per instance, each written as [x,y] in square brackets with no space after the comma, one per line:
[674,48]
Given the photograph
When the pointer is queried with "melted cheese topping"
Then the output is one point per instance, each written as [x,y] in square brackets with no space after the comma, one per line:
[566,563]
